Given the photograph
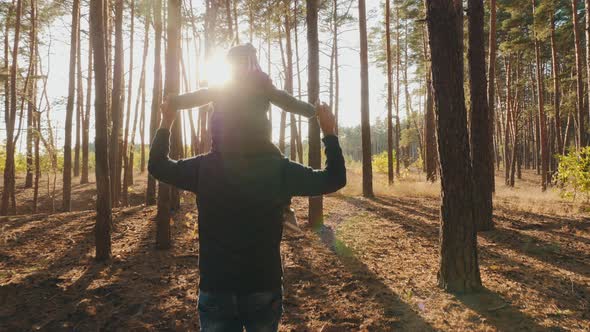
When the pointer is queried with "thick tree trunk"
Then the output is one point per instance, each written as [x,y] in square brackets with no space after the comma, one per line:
[365,119]
[313,90]
[150,197]
[166,199]
[67,169]
[102,230]
[459,269]
[482,161]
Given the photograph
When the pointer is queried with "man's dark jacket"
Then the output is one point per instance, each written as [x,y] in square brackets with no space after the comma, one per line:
[240,200]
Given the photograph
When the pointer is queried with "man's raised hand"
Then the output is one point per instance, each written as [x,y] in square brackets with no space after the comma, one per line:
[326,119]
[168,114]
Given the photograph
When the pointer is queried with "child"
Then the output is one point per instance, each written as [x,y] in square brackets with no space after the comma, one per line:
[239,123]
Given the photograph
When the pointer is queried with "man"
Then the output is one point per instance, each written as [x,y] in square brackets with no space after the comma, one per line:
[241,199]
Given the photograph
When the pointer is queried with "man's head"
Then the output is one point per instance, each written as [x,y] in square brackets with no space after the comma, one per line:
[242,59]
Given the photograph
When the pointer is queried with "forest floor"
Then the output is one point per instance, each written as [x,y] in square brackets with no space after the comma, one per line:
[372,266]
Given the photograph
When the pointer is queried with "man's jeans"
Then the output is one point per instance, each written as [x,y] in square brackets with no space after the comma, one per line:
[228,312]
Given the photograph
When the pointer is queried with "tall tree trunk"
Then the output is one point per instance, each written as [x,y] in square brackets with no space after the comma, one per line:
[389,92]
[579,77]
[299,137]
[118,103]
[482,161]
[313,92]
[492,86]
[125,151]
[556,86]
[102,230]
[587,8]
[8,164]
[459,268]
[32,133]
[30,103]
[140,104]
[508,120]
[397,90]
[150,197]
[365,119]
[171,87]
[67,169]
[542,117]
[289,81]
[79,104]
[86,121]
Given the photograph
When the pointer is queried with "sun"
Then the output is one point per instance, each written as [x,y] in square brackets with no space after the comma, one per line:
[216,71]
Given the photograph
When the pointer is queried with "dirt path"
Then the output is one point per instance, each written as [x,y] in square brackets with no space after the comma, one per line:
[371,267]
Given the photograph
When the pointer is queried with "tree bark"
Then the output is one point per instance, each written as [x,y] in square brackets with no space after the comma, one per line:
[102,230]
[67,169]
[587,8]
[313,91]
[556,86]
[459,269]
[118,107]
[492,86]
[150,197]
[365,119]
[128,172]
[397,90]
[171,87]
[31,103]
[579,77]
[86,118]
[482,161]
[542,116]
[389,92]
[79,103]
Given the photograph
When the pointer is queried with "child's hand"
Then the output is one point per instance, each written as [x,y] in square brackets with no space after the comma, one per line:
[326,119]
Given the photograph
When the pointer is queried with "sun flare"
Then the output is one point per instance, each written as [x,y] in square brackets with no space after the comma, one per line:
[216,71]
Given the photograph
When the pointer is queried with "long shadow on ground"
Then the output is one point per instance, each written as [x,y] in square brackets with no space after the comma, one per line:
[402,212]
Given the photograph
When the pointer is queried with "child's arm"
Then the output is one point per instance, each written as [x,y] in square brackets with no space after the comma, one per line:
[291,104]
[197,98]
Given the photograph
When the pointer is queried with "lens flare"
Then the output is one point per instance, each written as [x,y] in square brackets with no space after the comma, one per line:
[216,70]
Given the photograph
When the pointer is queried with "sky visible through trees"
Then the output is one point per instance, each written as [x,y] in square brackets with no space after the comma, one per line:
[56,42]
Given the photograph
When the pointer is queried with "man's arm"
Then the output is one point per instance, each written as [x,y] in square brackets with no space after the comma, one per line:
[305,181]
[179,173]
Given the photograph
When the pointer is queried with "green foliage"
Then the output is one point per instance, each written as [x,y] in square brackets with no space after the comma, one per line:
[380,162]
[573,174]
